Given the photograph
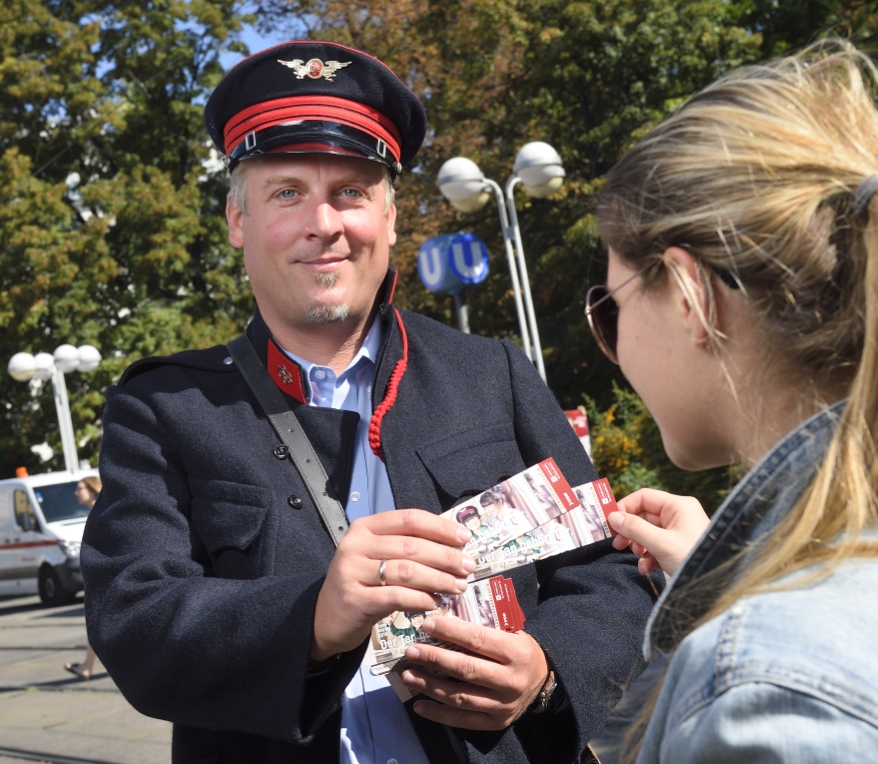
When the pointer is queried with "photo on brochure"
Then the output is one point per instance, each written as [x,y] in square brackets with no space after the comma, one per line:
[514,507]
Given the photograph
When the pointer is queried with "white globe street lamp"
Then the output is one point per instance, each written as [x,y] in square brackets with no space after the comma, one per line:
[538,168]
[23,367]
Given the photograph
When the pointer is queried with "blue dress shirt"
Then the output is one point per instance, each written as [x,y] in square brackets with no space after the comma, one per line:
[375,728]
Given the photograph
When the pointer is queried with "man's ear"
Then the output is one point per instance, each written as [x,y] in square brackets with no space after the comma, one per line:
[235,219]
[690,295]
[391,224]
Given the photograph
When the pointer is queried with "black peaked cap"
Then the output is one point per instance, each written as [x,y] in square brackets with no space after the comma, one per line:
[251,106]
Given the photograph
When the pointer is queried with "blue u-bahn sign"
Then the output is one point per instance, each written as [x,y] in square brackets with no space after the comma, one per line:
[453,262]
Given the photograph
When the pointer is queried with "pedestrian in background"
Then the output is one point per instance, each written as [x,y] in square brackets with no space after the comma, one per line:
[86,493]
[742,305]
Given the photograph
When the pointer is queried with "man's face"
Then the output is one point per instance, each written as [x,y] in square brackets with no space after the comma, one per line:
[417,621]
[474,523]
[316,237]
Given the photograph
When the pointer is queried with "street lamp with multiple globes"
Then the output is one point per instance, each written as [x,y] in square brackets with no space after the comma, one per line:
[538,168]
[23,367]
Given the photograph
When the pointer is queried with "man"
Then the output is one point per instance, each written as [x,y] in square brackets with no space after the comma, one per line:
[508,521]
[414,630]
[217,598]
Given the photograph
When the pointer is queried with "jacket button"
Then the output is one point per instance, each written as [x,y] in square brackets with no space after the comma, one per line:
[281,452]
[295,502]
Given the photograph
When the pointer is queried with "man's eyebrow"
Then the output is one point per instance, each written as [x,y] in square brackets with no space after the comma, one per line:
[361,177]
[279,180]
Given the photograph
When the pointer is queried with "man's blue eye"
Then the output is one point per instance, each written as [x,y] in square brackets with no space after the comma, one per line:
[351,192]
[287,193]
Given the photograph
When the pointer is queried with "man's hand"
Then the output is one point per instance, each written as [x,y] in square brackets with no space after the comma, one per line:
[659,527]
[497,685]
[423,555]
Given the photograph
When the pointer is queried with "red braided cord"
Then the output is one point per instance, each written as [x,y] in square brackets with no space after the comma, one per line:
[390,396]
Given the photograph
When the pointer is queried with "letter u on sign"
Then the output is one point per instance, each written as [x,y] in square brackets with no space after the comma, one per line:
[469,268]
[430,267]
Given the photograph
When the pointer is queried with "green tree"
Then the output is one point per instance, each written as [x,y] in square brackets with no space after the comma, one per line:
[111,226]
[590,78]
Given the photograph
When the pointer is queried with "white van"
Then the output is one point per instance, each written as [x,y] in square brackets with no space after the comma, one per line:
[41,525]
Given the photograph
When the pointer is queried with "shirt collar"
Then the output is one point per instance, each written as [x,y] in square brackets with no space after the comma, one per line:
[368,351]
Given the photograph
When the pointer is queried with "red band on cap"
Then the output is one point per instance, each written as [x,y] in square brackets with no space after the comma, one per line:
[311,108]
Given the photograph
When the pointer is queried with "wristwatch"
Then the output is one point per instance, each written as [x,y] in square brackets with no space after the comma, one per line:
[547,694]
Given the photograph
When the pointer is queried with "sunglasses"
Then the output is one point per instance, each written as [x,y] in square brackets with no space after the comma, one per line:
[602,311]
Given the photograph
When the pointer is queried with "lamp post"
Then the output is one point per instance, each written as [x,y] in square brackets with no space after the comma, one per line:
[538,168]
[23,367]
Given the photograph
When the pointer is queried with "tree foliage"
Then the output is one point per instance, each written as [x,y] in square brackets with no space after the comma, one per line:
[590,78]
[111,227]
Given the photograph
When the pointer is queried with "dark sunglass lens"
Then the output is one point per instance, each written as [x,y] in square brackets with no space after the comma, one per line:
[603,317]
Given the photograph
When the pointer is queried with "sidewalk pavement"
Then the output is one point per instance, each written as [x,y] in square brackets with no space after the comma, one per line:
[46,710]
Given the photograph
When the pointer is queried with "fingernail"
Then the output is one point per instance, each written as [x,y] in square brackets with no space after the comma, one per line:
[616,520]
[468,564]
[429,625]
[412,652]
[407,677]
[419,707]
[464,535]
[461,584]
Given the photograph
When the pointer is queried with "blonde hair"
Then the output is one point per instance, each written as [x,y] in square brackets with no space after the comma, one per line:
[93,483]
[756,177]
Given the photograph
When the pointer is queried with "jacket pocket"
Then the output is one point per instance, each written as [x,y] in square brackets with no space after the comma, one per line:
[468,463]
[228,515]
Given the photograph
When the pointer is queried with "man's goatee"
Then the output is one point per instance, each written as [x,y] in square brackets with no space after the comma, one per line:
[327,314]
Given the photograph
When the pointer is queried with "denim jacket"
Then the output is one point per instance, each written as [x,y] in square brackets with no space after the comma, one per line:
[786,676]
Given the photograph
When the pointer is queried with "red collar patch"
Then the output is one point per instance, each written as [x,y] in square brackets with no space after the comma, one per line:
[286,373]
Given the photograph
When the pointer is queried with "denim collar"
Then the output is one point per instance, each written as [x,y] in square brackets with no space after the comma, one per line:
[753,508]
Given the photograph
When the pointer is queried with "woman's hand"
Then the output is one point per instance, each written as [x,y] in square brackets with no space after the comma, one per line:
[659,527]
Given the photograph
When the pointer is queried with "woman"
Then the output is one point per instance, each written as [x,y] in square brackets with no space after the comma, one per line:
[86,493]
[742,305]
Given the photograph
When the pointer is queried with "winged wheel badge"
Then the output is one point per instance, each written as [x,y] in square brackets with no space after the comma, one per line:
[315,68]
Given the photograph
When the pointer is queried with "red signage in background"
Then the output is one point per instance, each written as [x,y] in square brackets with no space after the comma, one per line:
[579,422]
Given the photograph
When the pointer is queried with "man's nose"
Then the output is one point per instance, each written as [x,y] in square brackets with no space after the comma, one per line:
[325,220]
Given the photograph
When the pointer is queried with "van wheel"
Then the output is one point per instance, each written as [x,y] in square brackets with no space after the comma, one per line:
[51,592]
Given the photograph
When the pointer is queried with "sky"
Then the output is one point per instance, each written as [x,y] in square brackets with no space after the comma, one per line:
[255,41]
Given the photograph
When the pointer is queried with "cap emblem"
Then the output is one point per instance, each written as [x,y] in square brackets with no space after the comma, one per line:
[315,68]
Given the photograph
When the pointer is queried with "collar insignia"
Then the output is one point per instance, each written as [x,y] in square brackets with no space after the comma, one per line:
[315,68]
[284,373]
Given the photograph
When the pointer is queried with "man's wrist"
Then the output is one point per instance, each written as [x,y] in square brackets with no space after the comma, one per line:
[316,667]
[541,702]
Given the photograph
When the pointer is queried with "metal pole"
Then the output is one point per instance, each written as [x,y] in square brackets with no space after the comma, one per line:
[537,356]
[513,270]
[65,421]
[462,312]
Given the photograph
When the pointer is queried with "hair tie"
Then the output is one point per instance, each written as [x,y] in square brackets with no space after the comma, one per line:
[865,191]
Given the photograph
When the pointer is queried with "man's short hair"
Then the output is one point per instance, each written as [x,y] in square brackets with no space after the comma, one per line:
[238,187]
[492,496]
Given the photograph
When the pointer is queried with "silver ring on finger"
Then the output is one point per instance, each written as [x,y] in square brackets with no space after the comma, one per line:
[382,569]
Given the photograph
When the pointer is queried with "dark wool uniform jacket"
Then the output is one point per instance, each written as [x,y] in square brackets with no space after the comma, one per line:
[204,554]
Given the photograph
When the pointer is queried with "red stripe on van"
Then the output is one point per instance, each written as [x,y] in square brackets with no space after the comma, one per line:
[27,544]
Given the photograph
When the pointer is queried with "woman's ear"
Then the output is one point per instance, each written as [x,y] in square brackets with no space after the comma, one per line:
[691,296]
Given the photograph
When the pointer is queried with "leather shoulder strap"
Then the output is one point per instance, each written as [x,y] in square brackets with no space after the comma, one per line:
[291,433]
